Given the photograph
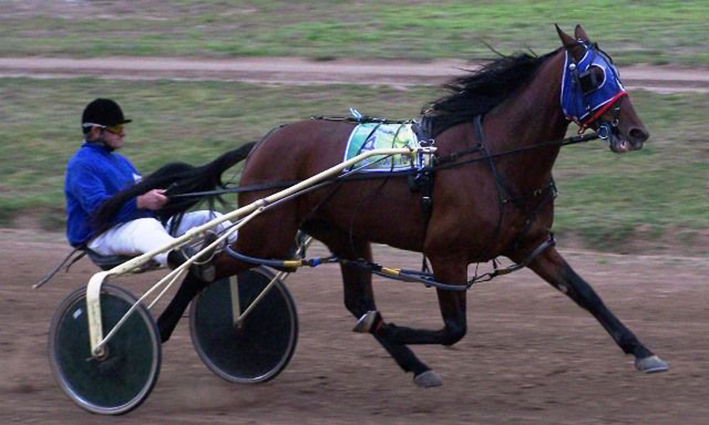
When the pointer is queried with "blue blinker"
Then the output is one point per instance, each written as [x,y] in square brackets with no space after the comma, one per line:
[585,97]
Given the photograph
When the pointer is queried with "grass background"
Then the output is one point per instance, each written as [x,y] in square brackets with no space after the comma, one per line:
[606,199]
[637,31]
[658,196]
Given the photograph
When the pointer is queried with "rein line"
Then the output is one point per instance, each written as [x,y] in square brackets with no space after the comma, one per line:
[448,161]
[423,277]
[451,160]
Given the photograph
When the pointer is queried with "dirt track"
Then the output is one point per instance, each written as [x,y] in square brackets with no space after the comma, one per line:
[300,71]
[530,357]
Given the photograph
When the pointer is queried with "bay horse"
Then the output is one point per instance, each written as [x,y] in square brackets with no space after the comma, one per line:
[501,205]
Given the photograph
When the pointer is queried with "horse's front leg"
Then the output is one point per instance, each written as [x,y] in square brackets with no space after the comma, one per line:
[552,267]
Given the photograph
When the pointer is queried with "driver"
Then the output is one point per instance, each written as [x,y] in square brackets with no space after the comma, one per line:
[96,172]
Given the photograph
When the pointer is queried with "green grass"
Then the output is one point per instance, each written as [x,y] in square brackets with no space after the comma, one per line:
[654,32]
[609,199]
[605,199]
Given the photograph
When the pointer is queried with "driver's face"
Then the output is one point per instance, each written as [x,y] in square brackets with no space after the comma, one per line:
[115,140]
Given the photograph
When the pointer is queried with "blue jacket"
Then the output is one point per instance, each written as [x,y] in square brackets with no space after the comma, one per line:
[93,175]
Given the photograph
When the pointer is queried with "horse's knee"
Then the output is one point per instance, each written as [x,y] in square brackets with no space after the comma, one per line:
[454,333]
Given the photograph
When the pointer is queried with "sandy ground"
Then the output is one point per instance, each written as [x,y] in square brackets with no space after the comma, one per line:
[530,357]
[300,71]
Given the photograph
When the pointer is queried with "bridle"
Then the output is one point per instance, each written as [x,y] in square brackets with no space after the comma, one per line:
[585,97]
[606,129]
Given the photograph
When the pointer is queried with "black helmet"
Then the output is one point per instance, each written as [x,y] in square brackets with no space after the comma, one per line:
[102,112]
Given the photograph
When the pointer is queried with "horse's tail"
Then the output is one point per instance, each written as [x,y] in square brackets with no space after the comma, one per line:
[178,178]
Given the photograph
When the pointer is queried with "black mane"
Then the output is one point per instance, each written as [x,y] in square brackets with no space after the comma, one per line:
[479,91]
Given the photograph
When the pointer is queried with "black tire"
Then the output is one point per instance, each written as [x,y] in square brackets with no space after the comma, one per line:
[262,346]
[123,379]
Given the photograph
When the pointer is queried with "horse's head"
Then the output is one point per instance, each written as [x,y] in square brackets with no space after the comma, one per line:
[593,96]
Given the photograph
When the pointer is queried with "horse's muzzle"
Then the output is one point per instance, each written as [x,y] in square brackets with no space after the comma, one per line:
[621,143]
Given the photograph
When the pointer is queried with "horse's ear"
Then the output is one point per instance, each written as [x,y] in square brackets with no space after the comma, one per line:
[580,33]
[571,45]
[566,39]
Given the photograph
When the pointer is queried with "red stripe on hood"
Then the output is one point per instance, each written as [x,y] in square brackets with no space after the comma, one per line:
[605,107]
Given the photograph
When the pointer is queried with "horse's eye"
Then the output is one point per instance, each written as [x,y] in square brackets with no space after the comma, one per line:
[598,74]
[591,79]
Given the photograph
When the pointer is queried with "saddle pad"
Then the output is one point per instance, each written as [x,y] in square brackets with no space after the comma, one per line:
[369,136]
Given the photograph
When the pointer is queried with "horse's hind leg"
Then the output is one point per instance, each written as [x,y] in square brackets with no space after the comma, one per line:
[359,299]
[275,242]
[173,312]
[552,267]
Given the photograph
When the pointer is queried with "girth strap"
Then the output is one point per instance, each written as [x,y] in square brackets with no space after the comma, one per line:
[501,191]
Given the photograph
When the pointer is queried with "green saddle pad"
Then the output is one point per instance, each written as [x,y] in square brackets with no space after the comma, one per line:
[369,136]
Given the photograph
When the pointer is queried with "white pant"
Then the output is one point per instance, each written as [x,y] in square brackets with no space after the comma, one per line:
[147,234]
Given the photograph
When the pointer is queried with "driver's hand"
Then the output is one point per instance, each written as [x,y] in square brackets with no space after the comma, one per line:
[153,200]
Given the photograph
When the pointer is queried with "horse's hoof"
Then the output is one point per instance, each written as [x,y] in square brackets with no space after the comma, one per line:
[368,323]
[428,379]
[651,364]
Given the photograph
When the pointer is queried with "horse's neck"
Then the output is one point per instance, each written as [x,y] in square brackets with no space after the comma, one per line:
[530,118]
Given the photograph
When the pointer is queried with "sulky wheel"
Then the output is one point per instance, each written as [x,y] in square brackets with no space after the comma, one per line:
[120,380]
[255,350]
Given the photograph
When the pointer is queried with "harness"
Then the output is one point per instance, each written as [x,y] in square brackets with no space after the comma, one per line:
[585,96]
[421,181]
[546,194]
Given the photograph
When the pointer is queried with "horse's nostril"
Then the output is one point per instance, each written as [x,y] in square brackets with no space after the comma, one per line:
[638,135]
